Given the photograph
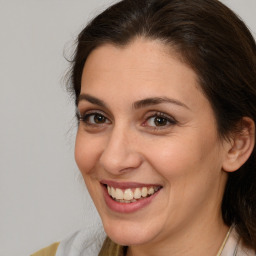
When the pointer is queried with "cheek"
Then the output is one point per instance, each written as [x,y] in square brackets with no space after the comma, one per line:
[172,156]
[87,152]
[191,172]
[187,156]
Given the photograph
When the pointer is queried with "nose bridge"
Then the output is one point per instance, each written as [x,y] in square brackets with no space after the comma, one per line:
[120,153]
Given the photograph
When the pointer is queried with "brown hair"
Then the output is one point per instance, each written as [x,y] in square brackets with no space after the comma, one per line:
[220,49]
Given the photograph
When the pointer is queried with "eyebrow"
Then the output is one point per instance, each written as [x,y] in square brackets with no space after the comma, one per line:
[137,104]
[92,100]
[157,100]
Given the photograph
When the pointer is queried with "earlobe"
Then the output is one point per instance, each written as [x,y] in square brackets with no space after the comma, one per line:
[241,146]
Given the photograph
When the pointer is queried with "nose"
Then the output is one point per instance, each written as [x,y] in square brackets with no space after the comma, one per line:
[120,154]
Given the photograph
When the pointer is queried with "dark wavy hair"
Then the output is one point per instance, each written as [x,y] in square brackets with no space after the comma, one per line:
[219,47]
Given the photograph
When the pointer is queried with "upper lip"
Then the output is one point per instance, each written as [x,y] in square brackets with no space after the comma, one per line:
[125,185]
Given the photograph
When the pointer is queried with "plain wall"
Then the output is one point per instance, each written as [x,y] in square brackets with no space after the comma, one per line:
[42,195]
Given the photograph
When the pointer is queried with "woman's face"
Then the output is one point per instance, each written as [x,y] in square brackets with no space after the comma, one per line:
[147,144]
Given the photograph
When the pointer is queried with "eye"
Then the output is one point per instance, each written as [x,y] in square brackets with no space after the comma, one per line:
[159,120]
[94,119]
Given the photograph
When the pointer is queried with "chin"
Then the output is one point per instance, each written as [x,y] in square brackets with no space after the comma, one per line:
[125,233]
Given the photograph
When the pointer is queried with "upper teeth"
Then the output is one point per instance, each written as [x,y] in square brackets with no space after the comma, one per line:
[131,194]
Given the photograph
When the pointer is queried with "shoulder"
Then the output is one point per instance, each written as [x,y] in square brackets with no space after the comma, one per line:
[47,251]
[87,241]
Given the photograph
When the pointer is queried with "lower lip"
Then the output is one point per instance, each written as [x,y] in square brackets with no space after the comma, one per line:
[127,207]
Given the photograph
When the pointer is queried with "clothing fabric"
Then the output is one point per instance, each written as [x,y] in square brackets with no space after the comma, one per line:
[87,242]
[235,247]
[93,242]
[48,251]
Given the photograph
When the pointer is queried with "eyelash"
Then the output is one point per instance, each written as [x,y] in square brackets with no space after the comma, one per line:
[170,121]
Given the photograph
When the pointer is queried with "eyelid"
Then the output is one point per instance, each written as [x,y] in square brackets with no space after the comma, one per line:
[81,109]
[83,113]
[160,114]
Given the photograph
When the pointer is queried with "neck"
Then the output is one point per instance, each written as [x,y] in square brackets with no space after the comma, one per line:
[203,239]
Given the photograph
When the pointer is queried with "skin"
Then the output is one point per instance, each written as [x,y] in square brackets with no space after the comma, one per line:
[184,155]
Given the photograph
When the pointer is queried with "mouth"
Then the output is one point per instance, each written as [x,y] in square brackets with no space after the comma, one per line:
[129,197]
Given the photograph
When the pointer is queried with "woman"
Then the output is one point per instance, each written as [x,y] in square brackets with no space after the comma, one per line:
[166,102]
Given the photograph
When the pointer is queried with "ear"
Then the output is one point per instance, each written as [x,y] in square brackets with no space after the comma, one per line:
[241,145]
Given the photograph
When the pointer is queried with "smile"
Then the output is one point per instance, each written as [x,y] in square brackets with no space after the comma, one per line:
[131,195]
[128,197]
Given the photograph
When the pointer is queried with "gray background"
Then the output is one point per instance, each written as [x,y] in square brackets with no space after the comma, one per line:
[42,195]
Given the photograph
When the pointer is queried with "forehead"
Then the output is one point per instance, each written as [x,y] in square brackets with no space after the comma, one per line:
[143,68]
[141,54]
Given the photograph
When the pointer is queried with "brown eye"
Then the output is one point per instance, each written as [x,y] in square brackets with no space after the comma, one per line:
[99,119]
[94,119]
[160,121]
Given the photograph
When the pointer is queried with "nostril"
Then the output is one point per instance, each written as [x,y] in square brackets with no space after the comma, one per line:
[121,164]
